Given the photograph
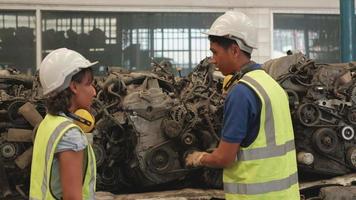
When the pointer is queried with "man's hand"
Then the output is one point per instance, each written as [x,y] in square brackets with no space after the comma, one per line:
[194,159]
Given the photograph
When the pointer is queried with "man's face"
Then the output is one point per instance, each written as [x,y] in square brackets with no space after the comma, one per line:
[222,58]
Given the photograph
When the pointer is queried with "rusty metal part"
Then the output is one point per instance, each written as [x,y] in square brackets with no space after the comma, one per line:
[29,112]
[18,135]
[24,159]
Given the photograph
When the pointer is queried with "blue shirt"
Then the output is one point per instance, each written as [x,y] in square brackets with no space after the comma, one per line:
[242,111]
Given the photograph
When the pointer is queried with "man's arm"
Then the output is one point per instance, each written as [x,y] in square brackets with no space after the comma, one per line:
[221,157]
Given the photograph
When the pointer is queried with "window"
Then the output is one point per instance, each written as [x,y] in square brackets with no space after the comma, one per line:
[130,40]
[17,40]
[317,36]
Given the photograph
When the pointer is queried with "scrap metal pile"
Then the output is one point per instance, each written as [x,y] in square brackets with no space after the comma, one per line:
[21,110]
[322,99]
[147,122]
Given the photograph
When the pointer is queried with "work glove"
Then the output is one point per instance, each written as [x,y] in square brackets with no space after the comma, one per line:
[194,159]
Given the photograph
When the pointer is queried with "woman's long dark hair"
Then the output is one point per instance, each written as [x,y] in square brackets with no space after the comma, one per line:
[61,101]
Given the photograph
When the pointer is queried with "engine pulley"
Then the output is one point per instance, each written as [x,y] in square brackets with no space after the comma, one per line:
[347,133]
[13,114]
[325,140]
[351,116]
[309,114]
[171,128]
[9,150]
[351,156]
[161,159]
[188,139]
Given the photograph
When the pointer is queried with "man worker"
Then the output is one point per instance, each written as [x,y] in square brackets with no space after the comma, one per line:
[256,148]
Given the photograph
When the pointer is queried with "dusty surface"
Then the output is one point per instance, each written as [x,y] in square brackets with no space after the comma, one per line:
[184,194]
[346,180]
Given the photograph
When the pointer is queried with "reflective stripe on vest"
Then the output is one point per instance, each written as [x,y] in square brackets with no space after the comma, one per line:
[271,150]
[93,175]
[260,188]
[266,152]
[51,141]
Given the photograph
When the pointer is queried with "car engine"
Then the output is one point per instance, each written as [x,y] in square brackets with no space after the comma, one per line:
[149,121]
[323,107]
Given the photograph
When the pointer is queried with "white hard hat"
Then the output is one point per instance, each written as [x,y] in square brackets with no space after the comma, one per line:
[237,26]
[58,67]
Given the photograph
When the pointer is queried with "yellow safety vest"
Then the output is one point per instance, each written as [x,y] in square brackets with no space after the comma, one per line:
[226,80]
[267,169]
[49,133]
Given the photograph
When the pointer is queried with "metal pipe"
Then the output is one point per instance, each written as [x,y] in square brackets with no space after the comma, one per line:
[29,112]
[24,160]
[347,10]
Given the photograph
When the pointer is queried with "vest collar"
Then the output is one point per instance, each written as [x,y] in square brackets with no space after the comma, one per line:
[250,66]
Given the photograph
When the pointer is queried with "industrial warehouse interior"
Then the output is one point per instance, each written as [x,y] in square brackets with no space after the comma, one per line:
[178,100]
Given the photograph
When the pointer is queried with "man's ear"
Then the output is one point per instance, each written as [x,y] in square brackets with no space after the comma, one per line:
[73,87]
[235,50]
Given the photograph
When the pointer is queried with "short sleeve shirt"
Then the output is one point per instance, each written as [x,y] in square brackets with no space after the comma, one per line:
[72,140]
[242,111]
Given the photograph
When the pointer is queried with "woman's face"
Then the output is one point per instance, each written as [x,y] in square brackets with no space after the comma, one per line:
[84,92]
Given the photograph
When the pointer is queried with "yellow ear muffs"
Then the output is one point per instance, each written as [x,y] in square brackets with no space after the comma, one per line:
[85,120]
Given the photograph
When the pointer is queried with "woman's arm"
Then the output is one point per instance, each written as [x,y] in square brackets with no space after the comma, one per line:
[71,172]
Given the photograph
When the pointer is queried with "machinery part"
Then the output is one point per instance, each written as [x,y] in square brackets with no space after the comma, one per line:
[41,108]
[188,139]
[305,158]
[351,156]
[29,112]
[100,155]
[348,133]
[24,159]
[9,150]
[107,177]
[351,116]
[4,183]
[308,114]
[337,193]
[160,160]
[171,128]
[13,115]
[353,95]
[18,135]
[293,98]
[178,113]
[213,177]
[207,140]
[325,140]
